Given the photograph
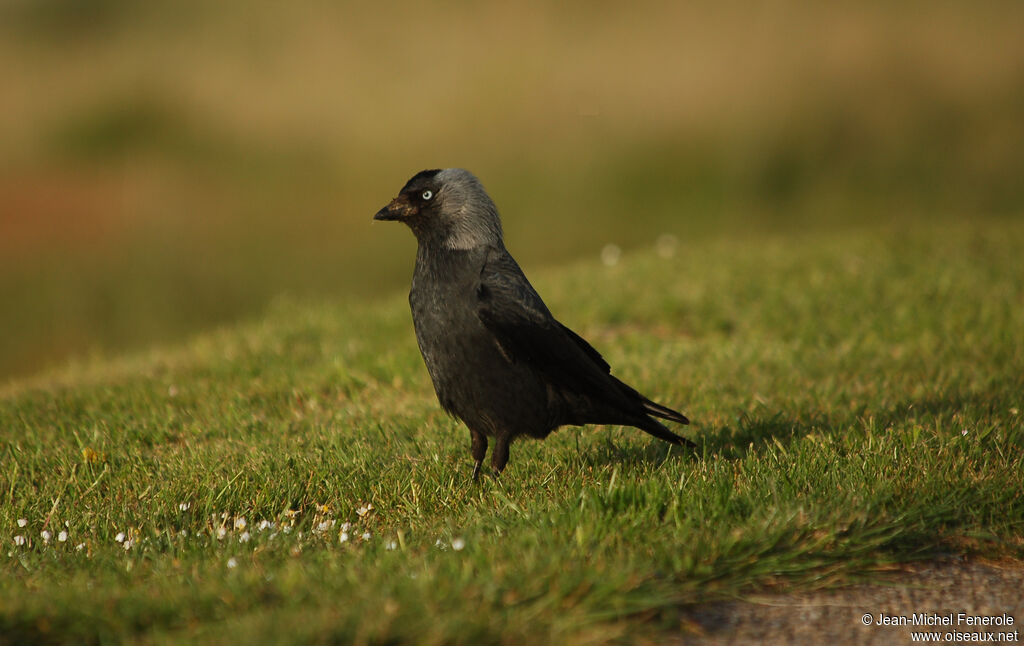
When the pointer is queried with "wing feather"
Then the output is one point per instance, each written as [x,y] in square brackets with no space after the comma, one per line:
[525,330]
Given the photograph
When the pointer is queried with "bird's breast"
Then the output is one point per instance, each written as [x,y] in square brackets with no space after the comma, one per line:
[471,375]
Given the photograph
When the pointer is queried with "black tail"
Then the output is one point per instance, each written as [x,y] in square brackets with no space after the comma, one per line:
[664,412]
[652,426]
[658,430]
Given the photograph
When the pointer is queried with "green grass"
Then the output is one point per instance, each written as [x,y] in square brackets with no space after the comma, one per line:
[857,401]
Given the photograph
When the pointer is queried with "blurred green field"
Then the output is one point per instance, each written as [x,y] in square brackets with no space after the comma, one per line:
[168,167]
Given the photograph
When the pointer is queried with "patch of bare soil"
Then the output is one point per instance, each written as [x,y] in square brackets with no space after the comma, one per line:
[944,602]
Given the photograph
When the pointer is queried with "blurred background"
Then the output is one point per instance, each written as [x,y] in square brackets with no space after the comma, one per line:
[166,167]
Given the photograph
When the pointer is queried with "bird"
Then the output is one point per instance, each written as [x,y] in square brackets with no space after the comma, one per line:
[498,359]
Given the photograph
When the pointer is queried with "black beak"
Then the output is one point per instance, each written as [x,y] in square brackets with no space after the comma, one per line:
[387,214]
[398,209]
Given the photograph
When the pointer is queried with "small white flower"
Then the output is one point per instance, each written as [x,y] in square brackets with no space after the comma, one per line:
[63,536]
[240,522]
[390,545]
[287,529]
[244,538]
[22,522]
[265,524]
[439,544]
[120,537]
[221,533]
[128,545]
[963,432]
[185,506]
[19,540]
[346,526]
[46,535]
[79,547]
[610,255]
[343,537]
[366,536]
[458,544]
[183,533]
[322,527]
[232,563]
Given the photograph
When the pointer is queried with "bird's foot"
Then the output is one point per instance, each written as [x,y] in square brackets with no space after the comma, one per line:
[493,472]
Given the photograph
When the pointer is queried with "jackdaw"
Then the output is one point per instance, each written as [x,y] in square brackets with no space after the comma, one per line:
[499,360]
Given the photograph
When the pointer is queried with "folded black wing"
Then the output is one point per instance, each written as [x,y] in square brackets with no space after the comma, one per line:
[525,330]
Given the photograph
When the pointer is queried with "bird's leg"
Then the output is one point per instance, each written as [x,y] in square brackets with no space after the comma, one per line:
[479,450]
[499,457]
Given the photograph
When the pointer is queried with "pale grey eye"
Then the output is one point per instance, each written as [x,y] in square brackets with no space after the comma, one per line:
[427,195]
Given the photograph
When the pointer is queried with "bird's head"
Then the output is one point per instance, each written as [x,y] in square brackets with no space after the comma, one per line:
[448,208]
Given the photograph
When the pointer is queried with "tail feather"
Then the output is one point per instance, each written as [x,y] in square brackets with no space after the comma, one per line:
[646,423]
[664,412]
[658,430]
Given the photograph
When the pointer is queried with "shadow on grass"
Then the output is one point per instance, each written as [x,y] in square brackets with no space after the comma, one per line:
[654,452]
[729,441]
[751,431]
